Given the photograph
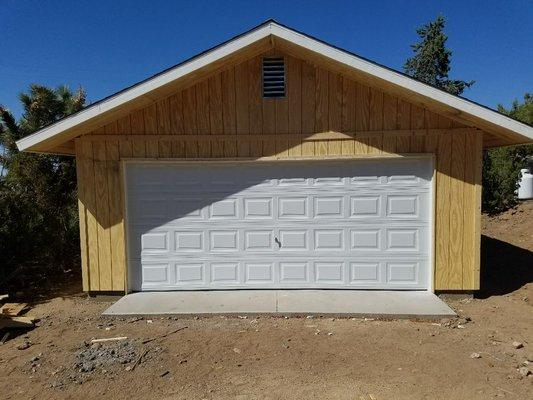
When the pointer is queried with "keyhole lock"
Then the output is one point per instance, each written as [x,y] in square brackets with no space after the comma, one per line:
[277,242]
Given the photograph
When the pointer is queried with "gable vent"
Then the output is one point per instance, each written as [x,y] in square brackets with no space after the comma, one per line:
[273,77]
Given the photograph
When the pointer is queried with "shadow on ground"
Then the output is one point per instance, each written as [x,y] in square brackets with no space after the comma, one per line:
[37,284]
[504,267]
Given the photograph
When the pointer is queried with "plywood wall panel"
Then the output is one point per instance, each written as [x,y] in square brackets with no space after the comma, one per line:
[102,215]
[318,101]
[348,105]
[116,221]
[362,115]
[215,116]
[321,99]
[202,117]
[163,127]
[335,89]
[82,171]
[444,275]
[471,209]
[89,200]
[308,97]
[124,128]
[150,124]
[457,172]
[294,94]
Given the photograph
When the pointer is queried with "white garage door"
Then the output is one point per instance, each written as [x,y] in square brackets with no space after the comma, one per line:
[297,224]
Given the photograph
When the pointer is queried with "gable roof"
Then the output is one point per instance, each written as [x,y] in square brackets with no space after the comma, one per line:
[145,92]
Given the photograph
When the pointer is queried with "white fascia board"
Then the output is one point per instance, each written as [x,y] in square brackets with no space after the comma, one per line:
[402,80]
[145,87]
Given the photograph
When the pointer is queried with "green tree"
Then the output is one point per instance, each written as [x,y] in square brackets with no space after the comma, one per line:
[38,207]
[501,166]
[431,62]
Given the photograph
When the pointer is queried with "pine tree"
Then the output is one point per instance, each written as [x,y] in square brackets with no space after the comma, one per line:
[38,206]
[431,62]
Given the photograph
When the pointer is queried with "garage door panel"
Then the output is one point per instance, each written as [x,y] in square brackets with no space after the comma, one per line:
[329,239]
[365,239]
[258,273]
[294,272]
[189,241]
[291,240]
[293,207]
[155,273]
[258,240]
[307,224]
[224,240]
[155,242]
[403,239]
[179,208]
[329,272]
[190,274]
[317,273]
[365,206]
[328,207]
[370,238]
[402,272]
[224,209]
[365,273]
[258,208]
[225,273]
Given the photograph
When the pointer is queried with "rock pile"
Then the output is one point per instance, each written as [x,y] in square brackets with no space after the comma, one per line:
[104,357]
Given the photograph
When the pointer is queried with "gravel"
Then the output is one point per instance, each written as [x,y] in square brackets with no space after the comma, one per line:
[104,357]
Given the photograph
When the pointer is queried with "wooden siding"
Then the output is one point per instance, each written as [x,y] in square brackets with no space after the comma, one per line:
[324,114]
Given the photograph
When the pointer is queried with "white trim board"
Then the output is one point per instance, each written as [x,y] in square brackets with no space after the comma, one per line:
[32,142]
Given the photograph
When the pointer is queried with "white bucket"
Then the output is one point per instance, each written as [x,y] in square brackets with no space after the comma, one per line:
[525,185]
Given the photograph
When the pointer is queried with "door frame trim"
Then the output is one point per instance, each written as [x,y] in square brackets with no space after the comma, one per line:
[124,162]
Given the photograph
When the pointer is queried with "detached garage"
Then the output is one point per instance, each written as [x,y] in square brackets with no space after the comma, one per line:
[275,160]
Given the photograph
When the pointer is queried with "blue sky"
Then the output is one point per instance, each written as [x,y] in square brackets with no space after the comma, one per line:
[105,46]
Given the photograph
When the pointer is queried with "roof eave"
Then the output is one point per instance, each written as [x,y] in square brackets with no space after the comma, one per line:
[47,137]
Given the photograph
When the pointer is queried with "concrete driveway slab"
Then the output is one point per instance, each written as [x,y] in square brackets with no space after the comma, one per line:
[356,303]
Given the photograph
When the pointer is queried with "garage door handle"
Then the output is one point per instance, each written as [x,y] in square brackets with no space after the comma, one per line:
[277,241]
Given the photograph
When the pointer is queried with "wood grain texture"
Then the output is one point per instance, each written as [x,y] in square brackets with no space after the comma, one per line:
[102,215]
[116,215]
[294,94]
[89,201]
[456,207]
[224,115]
[150,124]
[242,107]
[124,128]
[444,276]
[335,93]
[229,110]
[137,125]
[472,209]
[321,99]
[190,126]
[255,104]
[163,127]
[362,115]
[308,97]
[475,269]
[202,117]
[81,174]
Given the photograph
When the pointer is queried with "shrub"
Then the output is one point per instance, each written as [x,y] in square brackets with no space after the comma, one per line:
[501,166]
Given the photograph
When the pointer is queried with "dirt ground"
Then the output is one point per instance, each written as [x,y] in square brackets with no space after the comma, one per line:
[291,358]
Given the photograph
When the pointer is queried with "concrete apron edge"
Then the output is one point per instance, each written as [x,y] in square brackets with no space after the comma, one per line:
[332,304]
[386,317]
